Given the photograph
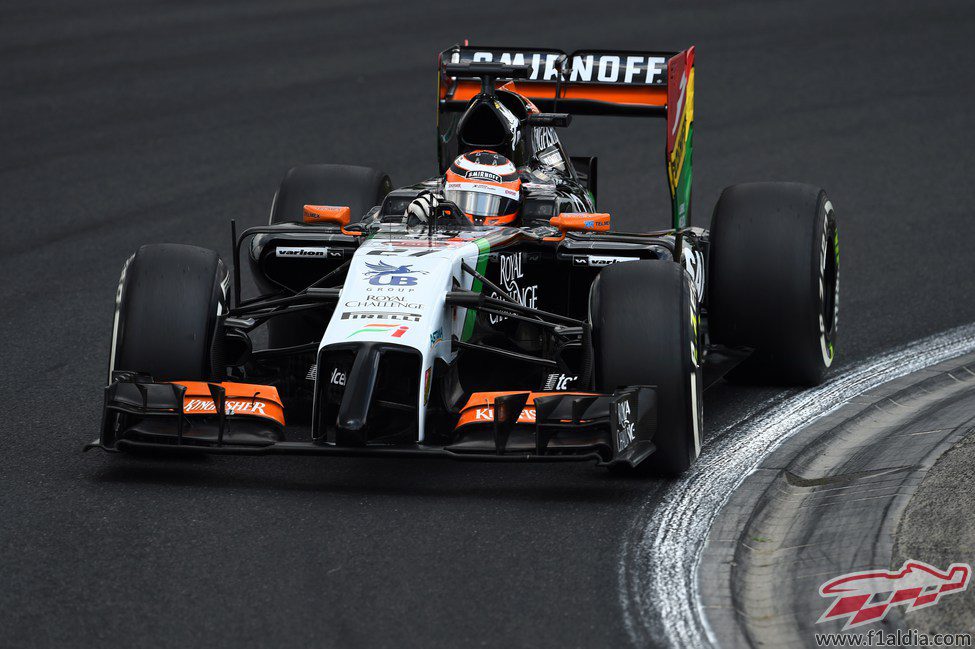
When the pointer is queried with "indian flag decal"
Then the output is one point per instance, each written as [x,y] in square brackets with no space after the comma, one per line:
[483,251]
[393,330]
[680,133]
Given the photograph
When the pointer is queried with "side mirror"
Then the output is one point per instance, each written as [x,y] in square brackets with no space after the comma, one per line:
[337,214]
[549,119]
[581,222]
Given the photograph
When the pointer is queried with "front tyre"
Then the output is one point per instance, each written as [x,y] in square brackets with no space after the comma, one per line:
[168,308]
[774,280]
[645,332]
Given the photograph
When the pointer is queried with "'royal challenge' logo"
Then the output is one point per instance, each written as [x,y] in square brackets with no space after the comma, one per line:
[867,596]
[512,275]
[383,274]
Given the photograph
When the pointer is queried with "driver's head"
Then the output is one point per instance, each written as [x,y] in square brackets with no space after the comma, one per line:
[486,186]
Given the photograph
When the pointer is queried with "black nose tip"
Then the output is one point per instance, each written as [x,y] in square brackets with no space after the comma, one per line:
[351,422]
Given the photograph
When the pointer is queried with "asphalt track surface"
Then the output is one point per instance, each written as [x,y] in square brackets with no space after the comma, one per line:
[831,499]
[126,122]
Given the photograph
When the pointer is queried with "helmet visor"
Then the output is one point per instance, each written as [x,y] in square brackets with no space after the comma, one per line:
[482,201]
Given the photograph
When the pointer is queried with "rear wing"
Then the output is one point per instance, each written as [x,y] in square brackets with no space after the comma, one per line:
[594,82]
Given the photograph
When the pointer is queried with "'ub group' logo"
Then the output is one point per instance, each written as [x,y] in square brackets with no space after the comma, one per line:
[383,274]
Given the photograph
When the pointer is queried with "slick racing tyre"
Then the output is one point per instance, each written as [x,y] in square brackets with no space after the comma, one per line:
[644,316]
[167,314]
[358,188]
[774,280]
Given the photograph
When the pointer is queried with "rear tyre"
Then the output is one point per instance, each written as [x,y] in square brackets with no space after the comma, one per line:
[774,280]
[168,308]
[644,316]
[358,188]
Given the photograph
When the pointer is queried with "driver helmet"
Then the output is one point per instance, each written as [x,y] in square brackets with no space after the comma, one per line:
[485,186]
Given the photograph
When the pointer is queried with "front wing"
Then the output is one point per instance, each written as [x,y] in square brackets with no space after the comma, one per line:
[238,418]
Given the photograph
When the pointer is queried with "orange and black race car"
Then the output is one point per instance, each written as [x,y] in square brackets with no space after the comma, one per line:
[490,312]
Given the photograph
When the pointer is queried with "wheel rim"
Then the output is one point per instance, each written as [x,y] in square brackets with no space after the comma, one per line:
[828,285]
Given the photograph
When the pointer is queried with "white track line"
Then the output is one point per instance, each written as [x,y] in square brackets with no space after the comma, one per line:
[658,571]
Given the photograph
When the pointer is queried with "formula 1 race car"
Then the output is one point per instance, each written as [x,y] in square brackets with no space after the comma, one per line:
[490,312]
